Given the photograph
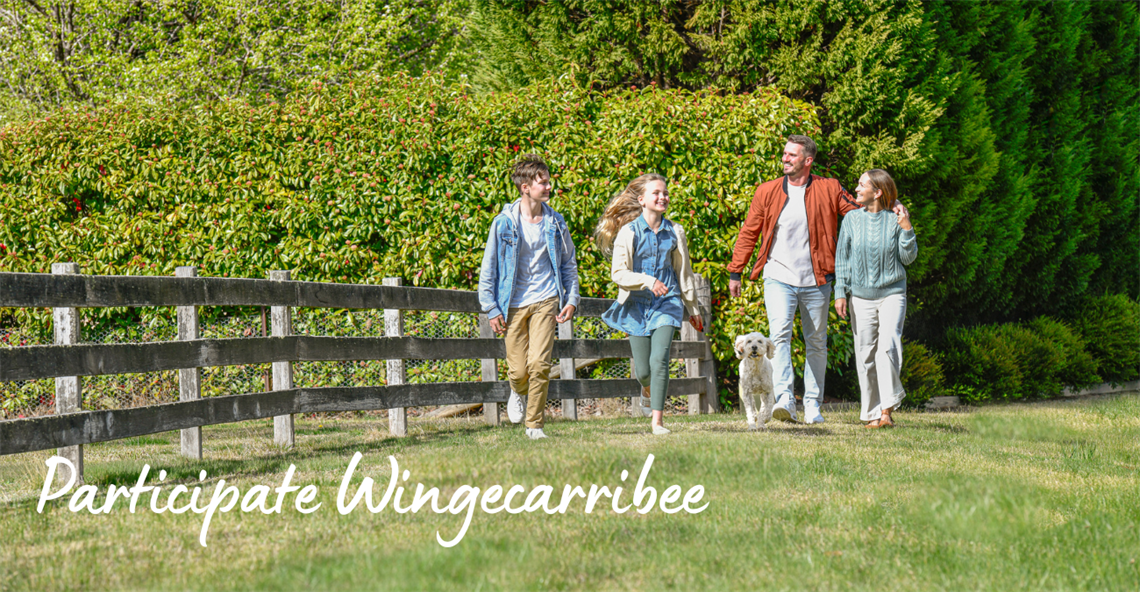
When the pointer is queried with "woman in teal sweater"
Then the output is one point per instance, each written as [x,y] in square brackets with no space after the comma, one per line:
[874,247]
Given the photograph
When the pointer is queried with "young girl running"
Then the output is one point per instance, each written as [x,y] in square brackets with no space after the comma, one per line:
[656,286]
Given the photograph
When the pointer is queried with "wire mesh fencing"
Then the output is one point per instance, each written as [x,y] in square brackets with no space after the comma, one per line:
[595,328]
[26,398]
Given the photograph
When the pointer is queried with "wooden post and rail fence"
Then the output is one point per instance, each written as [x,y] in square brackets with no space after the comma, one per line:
[67,292]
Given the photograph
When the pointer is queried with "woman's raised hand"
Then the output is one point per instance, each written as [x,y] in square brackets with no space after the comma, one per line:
[659,289]
[904,216]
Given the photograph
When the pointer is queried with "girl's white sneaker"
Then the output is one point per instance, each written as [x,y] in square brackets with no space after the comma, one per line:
[644,403]
[660,430]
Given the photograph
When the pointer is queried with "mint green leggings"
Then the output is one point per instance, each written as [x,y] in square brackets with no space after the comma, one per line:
[651,363]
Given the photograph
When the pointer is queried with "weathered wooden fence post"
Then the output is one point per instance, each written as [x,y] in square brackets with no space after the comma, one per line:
[566,370]
[710,400]
[189,379]
[68,389]
[281,325]
[692,365]
[394,327]
[490,372]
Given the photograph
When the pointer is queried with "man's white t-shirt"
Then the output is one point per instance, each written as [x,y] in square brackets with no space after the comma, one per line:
[789,260]
[534,277]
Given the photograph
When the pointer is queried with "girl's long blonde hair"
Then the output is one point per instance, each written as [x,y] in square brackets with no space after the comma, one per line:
[623,209]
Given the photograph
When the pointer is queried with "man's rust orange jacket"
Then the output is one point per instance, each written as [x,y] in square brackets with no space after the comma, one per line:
[824,199]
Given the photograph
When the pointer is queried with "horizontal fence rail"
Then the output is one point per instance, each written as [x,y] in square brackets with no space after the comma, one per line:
[66,292]
[91,291]
[49,361]
[89,427]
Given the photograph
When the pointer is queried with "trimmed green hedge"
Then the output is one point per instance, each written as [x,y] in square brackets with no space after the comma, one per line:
[1021,360]
[1110,326]
[387,176]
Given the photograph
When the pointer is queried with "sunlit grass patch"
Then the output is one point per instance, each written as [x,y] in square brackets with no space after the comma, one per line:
[1039,496]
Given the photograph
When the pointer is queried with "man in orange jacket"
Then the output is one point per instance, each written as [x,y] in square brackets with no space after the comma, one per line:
[797,216]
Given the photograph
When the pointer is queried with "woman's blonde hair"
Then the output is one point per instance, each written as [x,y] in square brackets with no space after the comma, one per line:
[882,181]
[623,209]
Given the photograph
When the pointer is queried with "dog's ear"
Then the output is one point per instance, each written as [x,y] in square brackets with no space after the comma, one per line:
[771,348]
[737,346]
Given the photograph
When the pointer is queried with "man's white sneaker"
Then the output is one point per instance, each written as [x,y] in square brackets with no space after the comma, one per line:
[515,407]
[535,433]
[812,414]
[785,409]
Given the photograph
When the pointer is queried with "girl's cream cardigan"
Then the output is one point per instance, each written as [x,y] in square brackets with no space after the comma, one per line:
[628,280]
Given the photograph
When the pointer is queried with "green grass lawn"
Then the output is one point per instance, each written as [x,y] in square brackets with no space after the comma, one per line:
[1039,496]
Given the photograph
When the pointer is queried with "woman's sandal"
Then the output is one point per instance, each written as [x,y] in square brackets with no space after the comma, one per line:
[886,422]
[873,425]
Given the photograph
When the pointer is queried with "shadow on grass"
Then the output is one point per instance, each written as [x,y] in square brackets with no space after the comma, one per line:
[935,427]
[120,473]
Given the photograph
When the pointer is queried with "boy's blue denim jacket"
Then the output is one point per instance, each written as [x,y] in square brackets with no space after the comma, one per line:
[501,257]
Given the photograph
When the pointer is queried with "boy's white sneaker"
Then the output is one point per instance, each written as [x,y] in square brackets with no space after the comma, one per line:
[785,409]
[535,433]
[515,407]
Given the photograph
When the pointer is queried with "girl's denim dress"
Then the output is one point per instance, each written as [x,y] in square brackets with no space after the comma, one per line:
[643,312]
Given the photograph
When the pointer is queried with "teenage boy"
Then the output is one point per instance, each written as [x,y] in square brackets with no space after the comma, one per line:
[527,285]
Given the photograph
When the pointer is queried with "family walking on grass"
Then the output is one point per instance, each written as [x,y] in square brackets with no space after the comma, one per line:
[528,282]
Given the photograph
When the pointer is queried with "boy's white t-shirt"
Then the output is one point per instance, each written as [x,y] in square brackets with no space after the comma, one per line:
[534,277]
[789,261]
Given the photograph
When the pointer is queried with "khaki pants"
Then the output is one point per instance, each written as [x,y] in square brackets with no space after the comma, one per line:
[530,341]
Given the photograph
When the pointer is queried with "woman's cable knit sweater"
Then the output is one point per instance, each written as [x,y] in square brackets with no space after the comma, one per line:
[872,252]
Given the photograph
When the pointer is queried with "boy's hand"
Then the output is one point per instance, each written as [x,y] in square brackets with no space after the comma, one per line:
[697,323]
[841,307]
[499,325]
[566,314]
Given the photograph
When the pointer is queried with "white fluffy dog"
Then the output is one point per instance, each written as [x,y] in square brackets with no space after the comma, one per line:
[754,351]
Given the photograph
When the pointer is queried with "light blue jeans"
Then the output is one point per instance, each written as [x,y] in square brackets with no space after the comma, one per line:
[782,300]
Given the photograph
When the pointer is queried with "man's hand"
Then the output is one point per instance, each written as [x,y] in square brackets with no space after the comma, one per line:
[697,323]
[566,314]
[499,325]
[841,307]
[659,289]
[734,288]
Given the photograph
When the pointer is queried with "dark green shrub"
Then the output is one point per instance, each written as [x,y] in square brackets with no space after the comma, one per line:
[1074,366]
[1110,326]
[922,374]
[984,359]
[1013,360]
